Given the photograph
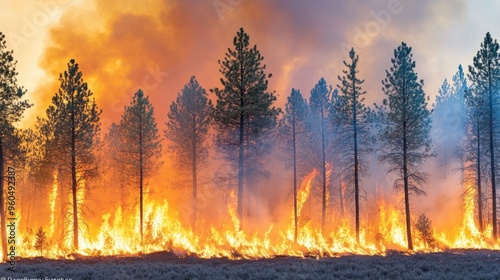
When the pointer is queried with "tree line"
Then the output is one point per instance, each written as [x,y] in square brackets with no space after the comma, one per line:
[334,132]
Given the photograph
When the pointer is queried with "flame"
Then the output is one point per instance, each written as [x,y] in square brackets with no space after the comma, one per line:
[469,235]
[164,230]
[52,201]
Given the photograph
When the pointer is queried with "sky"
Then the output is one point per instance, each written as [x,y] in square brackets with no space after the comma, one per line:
[157,46]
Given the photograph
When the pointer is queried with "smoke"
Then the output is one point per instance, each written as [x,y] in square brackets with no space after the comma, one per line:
[158,45]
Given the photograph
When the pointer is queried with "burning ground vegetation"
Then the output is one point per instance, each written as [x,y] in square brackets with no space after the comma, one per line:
[166,230]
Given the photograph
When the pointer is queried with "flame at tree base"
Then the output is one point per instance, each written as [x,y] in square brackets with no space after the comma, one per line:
[164,231]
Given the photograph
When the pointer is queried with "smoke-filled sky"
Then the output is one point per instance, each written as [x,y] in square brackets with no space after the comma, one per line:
[157,45]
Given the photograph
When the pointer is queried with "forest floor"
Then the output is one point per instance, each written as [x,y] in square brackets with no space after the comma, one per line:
[452,264]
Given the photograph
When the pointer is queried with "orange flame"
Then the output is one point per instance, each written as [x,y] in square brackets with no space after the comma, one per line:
[165,231]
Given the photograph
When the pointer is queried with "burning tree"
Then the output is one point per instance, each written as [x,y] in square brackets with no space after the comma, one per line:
[426,232]
[12,106]
[244,110]
[473,151]
[406,124]
[351,115]
[40,240]
[73,122]
[187,129]
[293,132]
[485,78]
[319,107]
[140,146]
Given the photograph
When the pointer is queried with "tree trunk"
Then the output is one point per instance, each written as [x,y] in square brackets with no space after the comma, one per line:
[240,171]
[61,219]
[356,163]
[479,194]
[2,202]
[74,186]
[141,178]
[492,158]
[195,181]
[295,216]
[323,212]
[406,189]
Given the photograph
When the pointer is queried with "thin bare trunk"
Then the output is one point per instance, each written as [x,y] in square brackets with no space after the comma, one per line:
[240,172]
[492,157]
[356,162]
[479,194]
[323,150]
[141,178]
[294,180]
[195,181]
[74,186]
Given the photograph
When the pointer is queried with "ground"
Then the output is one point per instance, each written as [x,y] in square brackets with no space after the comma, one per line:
[455,264]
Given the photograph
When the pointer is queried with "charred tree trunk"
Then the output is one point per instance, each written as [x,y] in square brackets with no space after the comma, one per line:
[407,199]
[405,180]
[323,166]
[240,170]
[195,181]
[141,178]
[74,185]
[479,194]
[62,218]
[295,214]
[492,157]
[356,164]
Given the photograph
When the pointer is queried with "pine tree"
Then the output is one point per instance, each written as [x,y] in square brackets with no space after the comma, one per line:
[449,119]
[293,135]
[73,122]
[40,240]
[12,107]
[485,78]
[319,106]
[140,146]
[424,228]
[406,124]
[187,129]
[352,117]
[244,110]
[473,152]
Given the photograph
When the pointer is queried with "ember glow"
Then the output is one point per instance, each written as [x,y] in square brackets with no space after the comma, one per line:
[123,46]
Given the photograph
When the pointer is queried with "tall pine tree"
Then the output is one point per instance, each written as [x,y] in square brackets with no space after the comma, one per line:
[244,109]
[187,129]
[449,120]
[485,78]
[12,107]
[140,145]
[474,150]
[74,121]
[293,135]
[320,106]
[352,118]
[406,124]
